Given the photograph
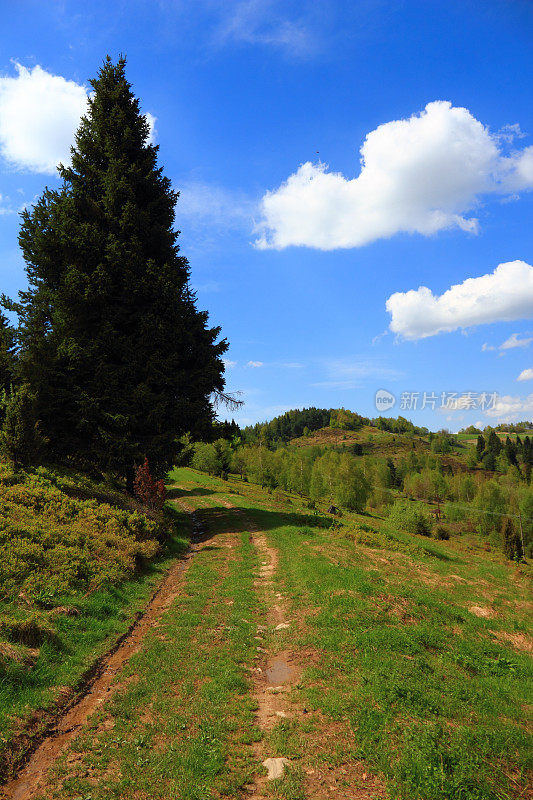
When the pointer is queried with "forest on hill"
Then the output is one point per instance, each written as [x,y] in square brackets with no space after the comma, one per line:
[381,465]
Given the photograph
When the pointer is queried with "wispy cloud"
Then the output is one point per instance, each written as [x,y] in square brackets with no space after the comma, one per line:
[207,287]
[255,364]
[511,408]
[526,375]
[268,23]
[5,206]
[513,341]
[208,208]
[510,344]
[351,373]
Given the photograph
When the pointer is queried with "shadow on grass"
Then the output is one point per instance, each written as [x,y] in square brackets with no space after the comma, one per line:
[213,516]
[175,492]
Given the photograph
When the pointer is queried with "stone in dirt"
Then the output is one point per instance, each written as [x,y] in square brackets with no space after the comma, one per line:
[275,767]
[282,626]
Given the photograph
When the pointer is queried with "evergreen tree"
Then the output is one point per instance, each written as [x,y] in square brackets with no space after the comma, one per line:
[512,546]
[494,444]
[7,363]
[120,360]
[511,452]
[7,353]
[20,438]
[480,447]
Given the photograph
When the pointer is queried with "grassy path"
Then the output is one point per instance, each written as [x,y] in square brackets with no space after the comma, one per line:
[358,671]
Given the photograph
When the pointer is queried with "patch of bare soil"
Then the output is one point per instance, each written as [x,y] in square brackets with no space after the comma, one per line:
[276,673]
[482,611]
[519,641]
[31,779]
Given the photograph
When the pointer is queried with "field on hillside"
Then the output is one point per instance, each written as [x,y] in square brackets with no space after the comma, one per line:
[375,441]
[77,562]
[376,664]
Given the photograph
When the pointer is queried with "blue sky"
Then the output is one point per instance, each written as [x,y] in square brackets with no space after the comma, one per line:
[333,158]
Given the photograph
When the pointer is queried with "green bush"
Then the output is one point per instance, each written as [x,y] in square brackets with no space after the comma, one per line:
[409,518]
[52,544]
[442,533]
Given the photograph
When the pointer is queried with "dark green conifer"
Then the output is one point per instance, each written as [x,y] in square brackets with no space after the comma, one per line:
[120,360]
[7,363]
[512,546]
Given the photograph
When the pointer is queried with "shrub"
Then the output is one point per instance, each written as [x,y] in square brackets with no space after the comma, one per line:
[442,533]
[53,545]
[410,519]
[149,492]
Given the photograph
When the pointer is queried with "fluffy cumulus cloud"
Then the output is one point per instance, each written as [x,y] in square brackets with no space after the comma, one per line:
[39,115]
[526,375]
[511,409]
[418,175]
[503,295]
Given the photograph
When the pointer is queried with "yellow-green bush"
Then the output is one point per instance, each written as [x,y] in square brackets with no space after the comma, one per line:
[52,544]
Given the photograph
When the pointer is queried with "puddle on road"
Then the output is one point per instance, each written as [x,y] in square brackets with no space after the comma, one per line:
[279,671]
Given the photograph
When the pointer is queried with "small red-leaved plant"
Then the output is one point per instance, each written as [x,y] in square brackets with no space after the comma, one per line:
[149,492]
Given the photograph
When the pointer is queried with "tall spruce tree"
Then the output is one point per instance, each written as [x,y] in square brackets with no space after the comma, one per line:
[7,354]
[119,359]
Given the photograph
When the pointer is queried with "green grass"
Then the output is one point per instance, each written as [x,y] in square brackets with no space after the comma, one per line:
[433,701]
[183,728]
[401,682]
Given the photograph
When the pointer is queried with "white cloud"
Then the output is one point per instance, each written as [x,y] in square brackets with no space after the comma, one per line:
[511,409]
[513,341]
[203,204]
[418,175]
[259,22]
[503,295]
[255,364]
[350,373]
[5,208]
[207,287]
[485,347]
[39,115]
[151,120]
[228,364]
[526,375]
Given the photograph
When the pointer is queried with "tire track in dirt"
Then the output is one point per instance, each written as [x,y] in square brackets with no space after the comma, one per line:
[276,672]
[31,779]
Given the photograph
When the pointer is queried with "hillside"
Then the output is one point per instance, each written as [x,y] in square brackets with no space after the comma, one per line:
[78,559]
[372,439]
[355,659]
